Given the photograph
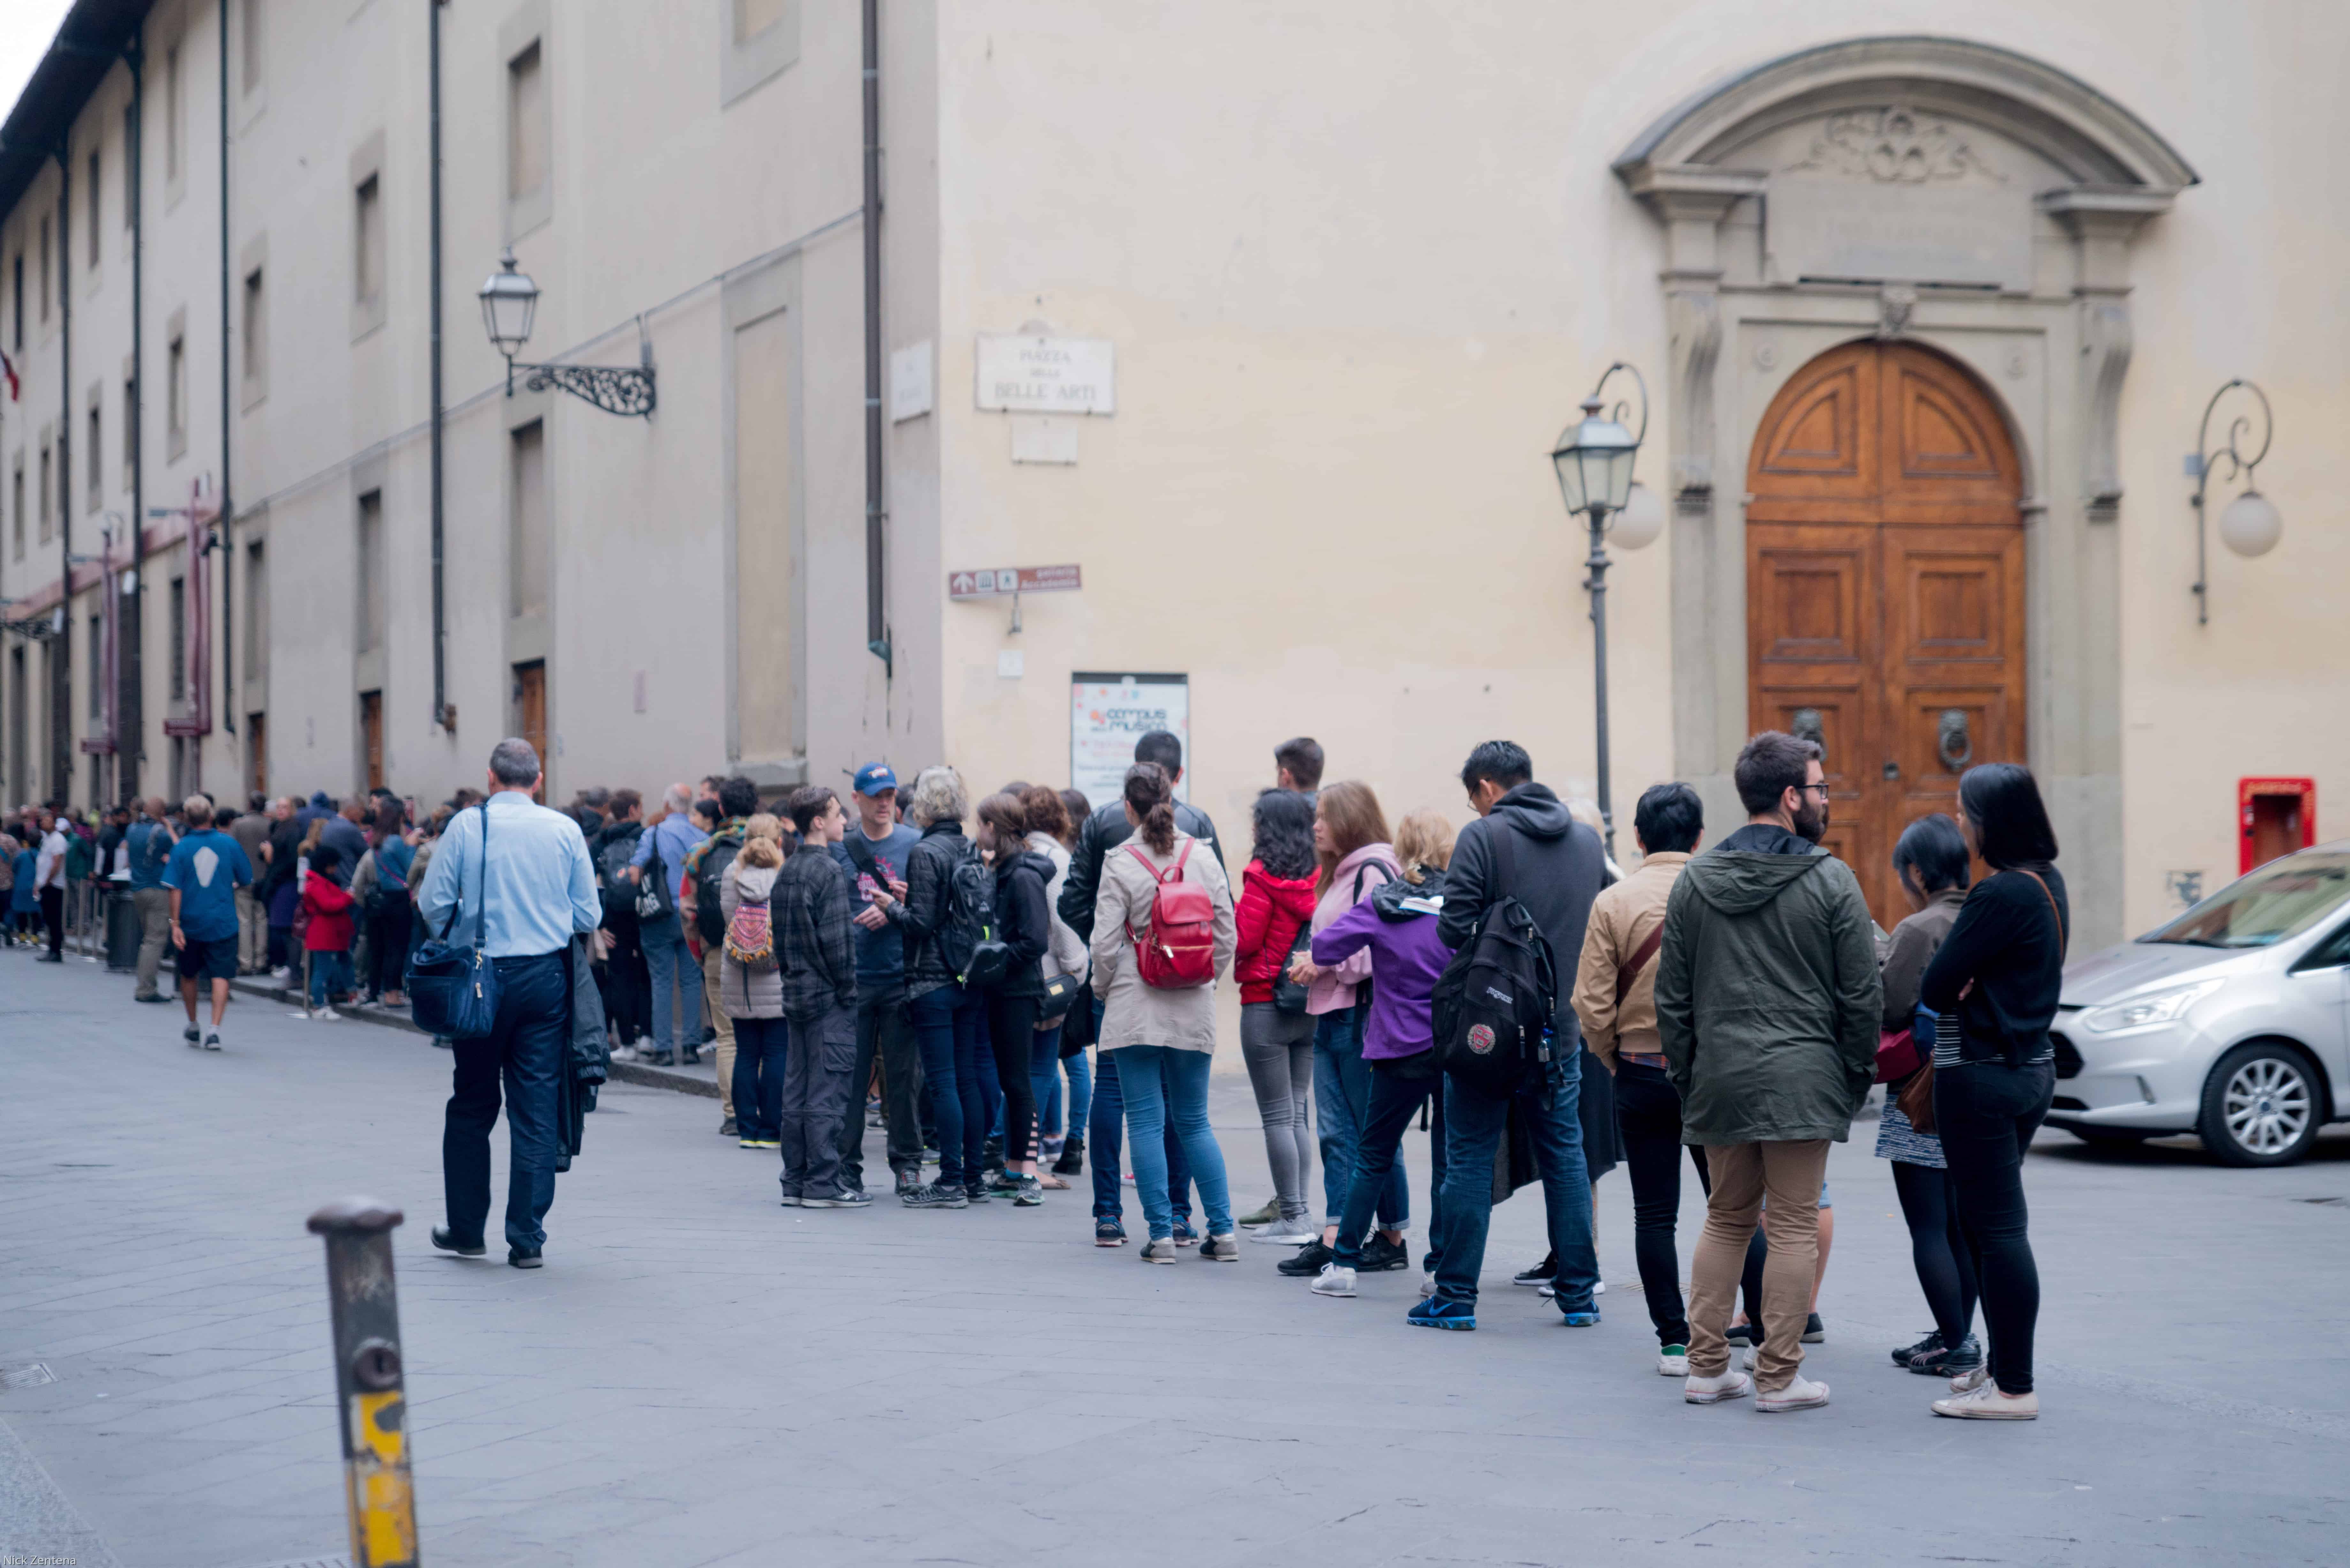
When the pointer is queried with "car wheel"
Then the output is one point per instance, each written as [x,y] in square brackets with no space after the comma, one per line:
[2260,1106]
[2114,1139]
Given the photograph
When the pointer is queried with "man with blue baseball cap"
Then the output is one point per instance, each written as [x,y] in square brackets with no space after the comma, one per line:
[874,853]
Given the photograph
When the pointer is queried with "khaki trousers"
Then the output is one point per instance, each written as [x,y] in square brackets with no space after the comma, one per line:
[717,1017]
[154,907]
[1743,1173]
[252,933]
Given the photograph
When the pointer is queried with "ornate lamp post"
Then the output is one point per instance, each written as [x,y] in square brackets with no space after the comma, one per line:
[1594,459]
[2250,524]
[510,301]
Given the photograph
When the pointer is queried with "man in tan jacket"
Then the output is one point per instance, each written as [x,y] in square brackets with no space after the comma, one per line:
[1615,999]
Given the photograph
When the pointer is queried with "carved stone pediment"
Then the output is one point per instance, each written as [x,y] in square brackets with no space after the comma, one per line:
[1895,145]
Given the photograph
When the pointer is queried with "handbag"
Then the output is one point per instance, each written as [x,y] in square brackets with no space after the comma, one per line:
[653,898]
[1897,1054]
[454,990]
[1289,996]
[1060,994]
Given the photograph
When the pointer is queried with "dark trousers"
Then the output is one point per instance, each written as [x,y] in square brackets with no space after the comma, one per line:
[388,933]
[1106,1141]
[815,1093]
[53,915]
[1987,1113]
[1394,1099]
[947,1022]
[525,1051]
[760,1045]
[1649,1118]
[883,1032]
[1011,1025]
[1473,1122]
[1938,1246]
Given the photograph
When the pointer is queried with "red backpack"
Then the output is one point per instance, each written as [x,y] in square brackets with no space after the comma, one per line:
[1180,951]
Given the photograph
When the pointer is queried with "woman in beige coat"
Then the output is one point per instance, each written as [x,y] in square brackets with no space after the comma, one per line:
[1162,1037]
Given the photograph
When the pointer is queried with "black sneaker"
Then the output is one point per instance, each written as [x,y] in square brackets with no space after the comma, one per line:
[1381,1256]
[909,1181]
[1929,1346]
[1741,1333]
[976,1191]
[194,1036]
[1814,1334]
[1028,1193]
[1001,1180]
[1942,1363]
[936,1195]
[728,1129]
[448,1242]
[693,1056]
[1073,1159]
[1308,1262]
[1542,1273]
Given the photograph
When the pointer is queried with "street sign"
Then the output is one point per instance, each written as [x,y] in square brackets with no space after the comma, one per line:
[1006,580]
[1024,375]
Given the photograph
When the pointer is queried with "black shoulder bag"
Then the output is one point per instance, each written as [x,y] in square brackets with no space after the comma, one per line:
[454,990]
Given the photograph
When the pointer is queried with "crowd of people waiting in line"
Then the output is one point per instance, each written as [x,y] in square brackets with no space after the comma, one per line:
[941,969]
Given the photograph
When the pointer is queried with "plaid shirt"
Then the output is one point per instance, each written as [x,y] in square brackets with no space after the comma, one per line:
[809,909]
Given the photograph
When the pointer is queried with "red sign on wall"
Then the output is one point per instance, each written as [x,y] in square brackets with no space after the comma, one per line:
[2274,817]
[1004,580]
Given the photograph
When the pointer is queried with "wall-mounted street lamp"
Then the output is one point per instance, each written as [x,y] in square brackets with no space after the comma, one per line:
[2250,524]
[32,627]
[1594,459]
[510,300]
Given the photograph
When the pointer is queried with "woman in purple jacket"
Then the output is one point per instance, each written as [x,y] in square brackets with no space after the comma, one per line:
[1397,925]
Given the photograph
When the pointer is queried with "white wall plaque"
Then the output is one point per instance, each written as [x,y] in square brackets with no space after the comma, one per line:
[1108,713]
[1036,438]
[1969,235]
[1047,375]
[909,382]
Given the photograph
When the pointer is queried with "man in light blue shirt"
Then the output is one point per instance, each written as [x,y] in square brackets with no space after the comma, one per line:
[519,874]
[676,972]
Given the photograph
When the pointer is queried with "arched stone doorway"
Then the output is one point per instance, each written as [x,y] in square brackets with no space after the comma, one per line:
[1885,588]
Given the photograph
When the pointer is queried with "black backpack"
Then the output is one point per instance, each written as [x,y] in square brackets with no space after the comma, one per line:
[709,880]
[968,939]
[611,875]
[1492,1006]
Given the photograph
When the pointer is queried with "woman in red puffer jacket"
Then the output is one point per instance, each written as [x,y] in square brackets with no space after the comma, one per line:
[1276,903]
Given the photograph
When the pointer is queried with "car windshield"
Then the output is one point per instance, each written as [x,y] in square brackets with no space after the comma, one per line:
[2280,899]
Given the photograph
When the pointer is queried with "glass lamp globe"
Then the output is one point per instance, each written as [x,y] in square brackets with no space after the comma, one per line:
[1642,519]
[1594,459]
[509,300]
[2251,525]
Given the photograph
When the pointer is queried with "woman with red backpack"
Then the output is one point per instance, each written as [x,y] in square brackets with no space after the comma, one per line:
[1163,932]
[751,983]
[1276,907]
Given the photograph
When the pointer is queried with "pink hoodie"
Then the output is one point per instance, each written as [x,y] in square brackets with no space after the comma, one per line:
[1333,991]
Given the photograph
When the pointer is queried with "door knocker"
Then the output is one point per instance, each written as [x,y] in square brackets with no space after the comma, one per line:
[1951,739]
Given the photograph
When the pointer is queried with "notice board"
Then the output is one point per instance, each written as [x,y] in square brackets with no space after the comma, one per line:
[1108,713]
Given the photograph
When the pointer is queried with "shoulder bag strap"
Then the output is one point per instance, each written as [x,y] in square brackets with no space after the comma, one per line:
[1505,862]
[1638,961]
[2062,940]
[482,907]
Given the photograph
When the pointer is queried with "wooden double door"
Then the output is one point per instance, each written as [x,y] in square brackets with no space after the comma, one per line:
[1885,589]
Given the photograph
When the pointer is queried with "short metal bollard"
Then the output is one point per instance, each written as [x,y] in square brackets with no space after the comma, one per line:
[369,1386]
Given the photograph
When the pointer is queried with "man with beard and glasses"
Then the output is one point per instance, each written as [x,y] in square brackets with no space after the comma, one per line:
[1767,1004]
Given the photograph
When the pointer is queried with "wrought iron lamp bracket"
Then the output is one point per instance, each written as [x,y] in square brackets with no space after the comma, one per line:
[2232,449]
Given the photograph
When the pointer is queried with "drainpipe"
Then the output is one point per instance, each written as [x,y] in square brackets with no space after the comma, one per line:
[439,630]
[877,624]
[131,732]
[61,668]
[226,529]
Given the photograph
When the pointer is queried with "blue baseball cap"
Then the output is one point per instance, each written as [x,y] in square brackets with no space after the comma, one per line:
[873,778]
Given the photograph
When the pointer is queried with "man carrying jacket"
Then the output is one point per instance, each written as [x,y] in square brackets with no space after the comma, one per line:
[1767,1004]
[1559,867]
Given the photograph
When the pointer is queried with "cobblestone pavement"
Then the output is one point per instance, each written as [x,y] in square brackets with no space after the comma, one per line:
[700,1378]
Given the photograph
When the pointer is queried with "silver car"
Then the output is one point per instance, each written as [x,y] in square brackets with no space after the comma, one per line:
[2231,1023]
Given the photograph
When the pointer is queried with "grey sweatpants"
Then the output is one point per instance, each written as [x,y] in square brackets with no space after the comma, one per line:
[1279,1050]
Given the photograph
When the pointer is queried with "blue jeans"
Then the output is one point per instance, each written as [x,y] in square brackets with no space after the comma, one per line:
[525,1048]
[762,1046]
[947,1025]
[1105,1130]
[1342,1108]
[1044,1057]
[677,1024]
[1473,1122]
[1394,1099]
[1167,1089]
[330,974]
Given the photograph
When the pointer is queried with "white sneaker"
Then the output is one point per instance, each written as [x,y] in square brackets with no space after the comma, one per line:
[212,1040]
[1599,1288]
[328,1015]
[281,972]
[1803,1394]
[1974,1378]
[1747,1356]
[1283,1233]
[1333,1280]
[1988,1404]
[1426,1284]
[1714,1390]
[1673,1362]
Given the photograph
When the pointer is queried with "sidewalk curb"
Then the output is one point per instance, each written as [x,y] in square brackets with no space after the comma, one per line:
[670,1078]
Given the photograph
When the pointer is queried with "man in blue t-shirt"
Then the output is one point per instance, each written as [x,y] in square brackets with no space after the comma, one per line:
[206,868]
[874,853]
[150,844]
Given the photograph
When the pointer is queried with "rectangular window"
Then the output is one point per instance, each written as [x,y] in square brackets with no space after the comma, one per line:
[526,124]
[256,747]
[529,717]
[90,196]
[48,482]
[373,596]
[367,250]
[175,157]
[175,385]
[256,335]
[372,736]
[97,668]
[178,640]
[251,28]
[45,267]
[753,17]
[95,462]
[256,612]
[527,559]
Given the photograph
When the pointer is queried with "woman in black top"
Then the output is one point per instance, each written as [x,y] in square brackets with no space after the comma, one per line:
[1023,924]
[1995,980]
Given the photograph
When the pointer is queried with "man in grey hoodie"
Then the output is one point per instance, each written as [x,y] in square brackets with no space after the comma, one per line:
[1768,1002]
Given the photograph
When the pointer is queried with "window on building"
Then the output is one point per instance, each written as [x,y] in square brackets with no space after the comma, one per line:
[257,334]
[93,485]
[250,24]
[178,640]
[256,612]
[175,393]
[374,597]
[367,250]
[175,156]
[48,482]
[45,267]
[753,17]
[527,524]
[97,668]
[90,199]
[526,123]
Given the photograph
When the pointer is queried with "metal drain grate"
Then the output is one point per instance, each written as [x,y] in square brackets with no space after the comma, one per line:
[32,1375]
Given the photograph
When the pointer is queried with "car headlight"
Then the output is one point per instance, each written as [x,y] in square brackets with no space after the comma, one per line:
[2160,1007]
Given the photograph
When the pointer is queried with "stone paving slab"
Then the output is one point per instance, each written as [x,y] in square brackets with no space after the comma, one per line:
[700,1376]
